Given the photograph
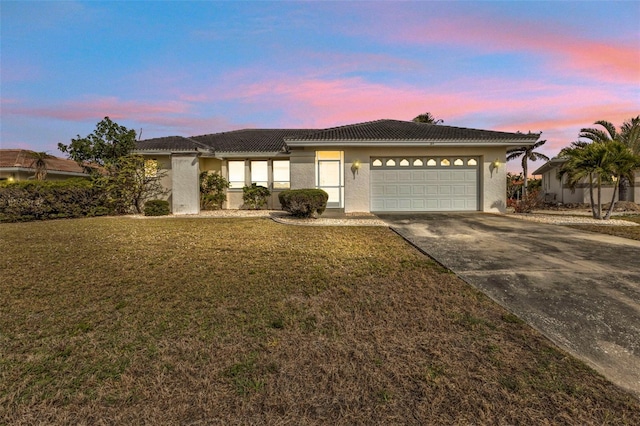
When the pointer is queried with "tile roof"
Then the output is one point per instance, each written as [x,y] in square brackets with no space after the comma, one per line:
[20,158]
[395,130]
[372,132]
[250,140]
[170,143]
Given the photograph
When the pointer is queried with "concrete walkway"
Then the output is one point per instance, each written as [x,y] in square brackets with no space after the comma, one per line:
[582,290]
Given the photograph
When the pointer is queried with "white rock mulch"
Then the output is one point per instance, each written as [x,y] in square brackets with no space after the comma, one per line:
[557,219]
[349,219]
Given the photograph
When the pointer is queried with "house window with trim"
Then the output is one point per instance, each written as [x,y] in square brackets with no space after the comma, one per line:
[281,174]
[236,174]
[260,173]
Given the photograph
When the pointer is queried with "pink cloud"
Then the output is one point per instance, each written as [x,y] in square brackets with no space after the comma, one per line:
[97,108]
[563,51]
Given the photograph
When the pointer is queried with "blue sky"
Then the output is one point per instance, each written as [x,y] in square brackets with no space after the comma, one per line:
[189,68]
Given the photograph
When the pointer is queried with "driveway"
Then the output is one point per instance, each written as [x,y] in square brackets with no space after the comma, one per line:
[580,289]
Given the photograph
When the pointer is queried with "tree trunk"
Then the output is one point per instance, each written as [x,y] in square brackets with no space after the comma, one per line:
[593,206]
[524,181]
[623,189]
[608,215]
[599,197]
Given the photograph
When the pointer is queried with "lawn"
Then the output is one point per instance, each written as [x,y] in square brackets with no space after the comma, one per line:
[246,321]
[631,232]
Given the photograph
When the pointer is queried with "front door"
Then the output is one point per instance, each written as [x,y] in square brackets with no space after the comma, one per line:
[329,180]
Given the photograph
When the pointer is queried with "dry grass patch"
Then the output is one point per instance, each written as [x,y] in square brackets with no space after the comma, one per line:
[194,321]
[631,232]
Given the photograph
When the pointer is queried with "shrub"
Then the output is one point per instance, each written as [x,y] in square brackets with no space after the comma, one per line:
[255,196]
[212,190]
[529,203]
[40,200]
[304,202]
[156,208]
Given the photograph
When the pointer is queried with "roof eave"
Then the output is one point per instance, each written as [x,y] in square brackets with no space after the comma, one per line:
[250,154]
[406,143]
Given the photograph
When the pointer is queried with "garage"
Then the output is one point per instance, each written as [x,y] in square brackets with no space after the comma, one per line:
[424,184]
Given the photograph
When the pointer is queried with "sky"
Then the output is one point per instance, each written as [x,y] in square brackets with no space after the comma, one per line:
[196,67]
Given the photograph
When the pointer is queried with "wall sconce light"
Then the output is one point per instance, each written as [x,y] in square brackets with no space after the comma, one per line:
[355,166]
[495,164]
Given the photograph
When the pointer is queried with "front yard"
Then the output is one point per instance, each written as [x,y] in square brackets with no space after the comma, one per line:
[246,321]
[631,232]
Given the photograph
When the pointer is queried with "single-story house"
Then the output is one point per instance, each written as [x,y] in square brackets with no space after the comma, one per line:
[18,164]
[556,190]
[377,166]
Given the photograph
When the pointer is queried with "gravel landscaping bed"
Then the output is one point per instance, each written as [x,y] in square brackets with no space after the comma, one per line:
[559,219]
[369,219]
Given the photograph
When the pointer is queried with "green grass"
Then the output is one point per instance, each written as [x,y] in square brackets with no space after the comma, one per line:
[631,232]
[244,321]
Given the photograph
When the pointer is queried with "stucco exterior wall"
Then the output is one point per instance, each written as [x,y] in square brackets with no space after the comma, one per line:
[210,164]
[185,197]
[166,173]
[492,191]
[302,169]
[552,186]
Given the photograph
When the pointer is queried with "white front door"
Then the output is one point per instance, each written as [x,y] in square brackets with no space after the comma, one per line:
[329,180]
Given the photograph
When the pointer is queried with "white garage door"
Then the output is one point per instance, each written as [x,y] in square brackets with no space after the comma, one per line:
[424,184]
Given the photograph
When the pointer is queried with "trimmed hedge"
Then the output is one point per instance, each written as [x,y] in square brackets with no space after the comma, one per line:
[255,196]
[304,202]
[156,208]
[39,200]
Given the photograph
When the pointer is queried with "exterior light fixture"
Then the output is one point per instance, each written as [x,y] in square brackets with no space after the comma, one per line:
[495,164]
[355,166]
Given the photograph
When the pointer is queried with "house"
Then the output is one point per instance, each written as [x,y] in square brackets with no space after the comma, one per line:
[18,164]
[555,189]
[377,166]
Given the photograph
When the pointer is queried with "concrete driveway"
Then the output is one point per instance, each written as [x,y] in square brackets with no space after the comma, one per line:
[582,290]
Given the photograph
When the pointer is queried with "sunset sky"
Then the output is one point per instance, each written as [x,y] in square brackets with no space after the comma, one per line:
[190,68]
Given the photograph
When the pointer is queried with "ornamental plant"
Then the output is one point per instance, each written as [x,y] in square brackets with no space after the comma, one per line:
[255,196]
[304,202]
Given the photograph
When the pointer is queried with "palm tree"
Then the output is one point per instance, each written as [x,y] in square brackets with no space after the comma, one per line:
[527,153]
[40,164]
[623,163]
[598,163]
[629,136]
[427,118]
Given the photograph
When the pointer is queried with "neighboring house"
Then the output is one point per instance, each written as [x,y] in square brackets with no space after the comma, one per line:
[377,166]
[17,164]
[557,190]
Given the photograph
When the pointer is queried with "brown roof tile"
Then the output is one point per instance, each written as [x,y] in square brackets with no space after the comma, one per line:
[20,158]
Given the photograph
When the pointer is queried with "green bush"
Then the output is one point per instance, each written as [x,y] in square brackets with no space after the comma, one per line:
[255,196]
[156,208]
[212,190]
[40,200]
[304,202]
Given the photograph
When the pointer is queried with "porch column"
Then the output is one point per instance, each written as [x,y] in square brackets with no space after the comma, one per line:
[185,185]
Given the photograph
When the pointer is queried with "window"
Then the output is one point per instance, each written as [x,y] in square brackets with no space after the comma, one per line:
[458,162]
[404,163]
[377,163]
[418,162]
[391,163]
[236,174]
[281,174]
[431,162]
[444,162]
[151,168]
[472,162]
[260,173]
